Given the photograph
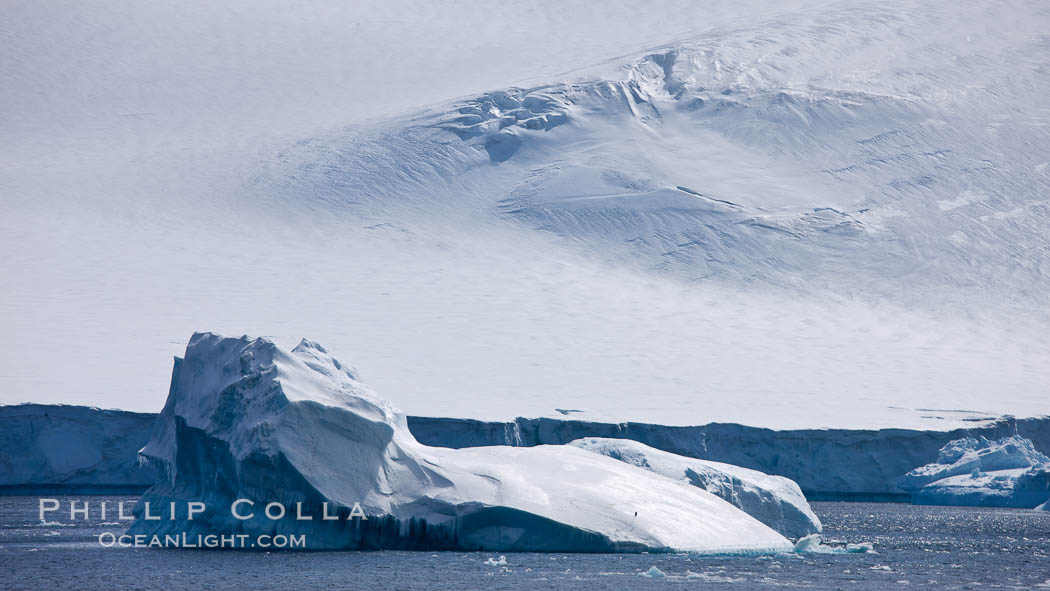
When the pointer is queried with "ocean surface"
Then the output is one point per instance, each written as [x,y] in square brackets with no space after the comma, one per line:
[920,547]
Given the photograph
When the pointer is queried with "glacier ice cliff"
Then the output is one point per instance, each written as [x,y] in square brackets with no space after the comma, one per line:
[828,464]
[1008,472]
[247,419]
[774,500]
[48,449]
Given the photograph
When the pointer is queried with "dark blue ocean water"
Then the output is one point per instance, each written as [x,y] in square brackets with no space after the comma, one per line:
[915,548]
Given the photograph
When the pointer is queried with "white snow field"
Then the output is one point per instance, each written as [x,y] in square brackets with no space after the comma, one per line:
[774,500]
[1008,472]
[788,215]
[246,419]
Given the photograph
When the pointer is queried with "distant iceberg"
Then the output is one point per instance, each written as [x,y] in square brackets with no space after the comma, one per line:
[774,500]
[1008,472]
[246,419]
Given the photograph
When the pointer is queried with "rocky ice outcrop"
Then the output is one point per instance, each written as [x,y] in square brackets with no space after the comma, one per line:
[1008,472]
[774,500]
[76,449]
[247,419]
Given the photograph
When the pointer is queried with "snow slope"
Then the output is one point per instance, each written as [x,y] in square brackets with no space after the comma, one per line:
[247,419]
[774,500]
[824,214]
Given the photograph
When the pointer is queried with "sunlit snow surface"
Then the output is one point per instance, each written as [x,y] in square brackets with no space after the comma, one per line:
[790,216]
[774,500]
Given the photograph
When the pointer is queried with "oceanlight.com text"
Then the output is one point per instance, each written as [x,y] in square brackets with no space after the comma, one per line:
[234,541]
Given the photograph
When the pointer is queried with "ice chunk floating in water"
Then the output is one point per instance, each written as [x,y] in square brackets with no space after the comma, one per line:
[653,573]
[1008,472]
[246,419]
[812,544]
[774,500]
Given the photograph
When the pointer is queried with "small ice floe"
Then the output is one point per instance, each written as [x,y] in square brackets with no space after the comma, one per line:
[653,573]
[811,544]
[860,548]
[493,562]
[711,578]
[882,567]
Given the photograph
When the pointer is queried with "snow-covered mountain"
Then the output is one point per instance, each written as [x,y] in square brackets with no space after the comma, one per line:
[801,215]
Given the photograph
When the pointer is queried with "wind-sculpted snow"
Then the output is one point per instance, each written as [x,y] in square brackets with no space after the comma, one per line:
[1008,472]
[757,153]
[774,500]
[247,419]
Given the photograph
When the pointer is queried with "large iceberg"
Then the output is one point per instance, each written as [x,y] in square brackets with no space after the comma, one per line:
[246,419]
[774,500]
[1008,472]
